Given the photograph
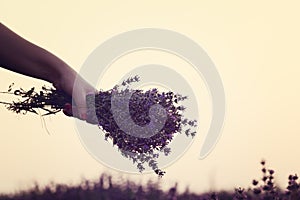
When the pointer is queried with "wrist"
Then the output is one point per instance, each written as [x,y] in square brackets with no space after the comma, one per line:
[63,77]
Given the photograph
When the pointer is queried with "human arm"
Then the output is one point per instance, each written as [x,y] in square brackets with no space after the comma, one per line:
[24,57]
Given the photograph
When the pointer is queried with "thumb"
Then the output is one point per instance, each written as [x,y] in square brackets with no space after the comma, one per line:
[80,101]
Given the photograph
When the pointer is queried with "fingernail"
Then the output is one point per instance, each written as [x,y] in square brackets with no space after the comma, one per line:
[67,112]
[83,116]
[68,107]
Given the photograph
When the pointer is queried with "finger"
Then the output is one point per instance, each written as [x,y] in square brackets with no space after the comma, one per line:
[68,110]
[75,112]
[86,117]
[80,101]
[81,112]
[71,111]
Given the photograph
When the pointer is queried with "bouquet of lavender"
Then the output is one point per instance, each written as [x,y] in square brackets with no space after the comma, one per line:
[140,123]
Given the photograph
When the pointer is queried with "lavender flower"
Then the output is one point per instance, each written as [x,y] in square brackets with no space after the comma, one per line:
[140,150]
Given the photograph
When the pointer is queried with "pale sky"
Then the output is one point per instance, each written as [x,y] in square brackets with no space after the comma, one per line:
[254,45]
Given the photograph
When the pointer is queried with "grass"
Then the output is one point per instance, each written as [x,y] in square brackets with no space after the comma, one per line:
[264,188]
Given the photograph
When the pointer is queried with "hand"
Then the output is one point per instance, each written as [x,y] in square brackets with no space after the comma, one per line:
[22,56]
[77,91]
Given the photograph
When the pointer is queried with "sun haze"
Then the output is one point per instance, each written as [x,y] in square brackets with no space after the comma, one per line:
[254,45]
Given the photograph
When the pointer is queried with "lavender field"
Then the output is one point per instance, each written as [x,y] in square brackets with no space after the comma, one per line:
[263,188]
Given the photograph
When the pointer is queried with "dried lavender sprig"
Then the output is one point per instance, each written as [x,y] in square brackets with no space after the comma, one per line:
[48,99]
[135,148]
